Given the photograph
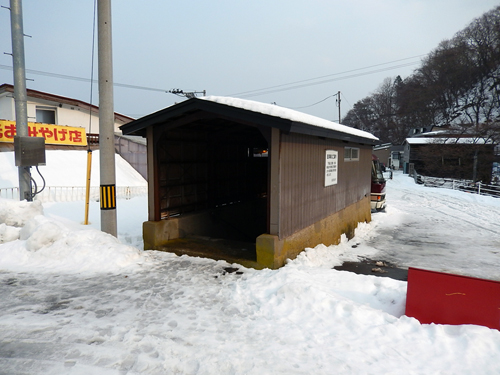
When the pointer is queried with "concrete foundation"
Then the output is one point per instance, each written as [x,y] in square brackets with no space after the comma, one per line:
[271,251]
[157,233]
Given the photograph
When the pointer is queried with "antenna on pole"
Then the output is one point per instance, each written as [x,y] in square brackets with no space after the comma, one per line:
[187,94]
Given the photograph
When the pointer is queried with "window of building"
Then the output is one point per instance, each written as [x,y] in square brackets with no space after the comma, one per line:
[351,154]
[46,115]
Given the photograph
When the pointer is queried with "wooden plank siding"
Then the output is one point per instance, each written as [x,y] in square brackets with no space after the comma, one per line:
[302,171]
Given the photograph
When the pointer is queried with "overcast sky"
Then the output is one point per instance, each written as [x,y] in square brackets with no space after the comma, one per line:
[291,52]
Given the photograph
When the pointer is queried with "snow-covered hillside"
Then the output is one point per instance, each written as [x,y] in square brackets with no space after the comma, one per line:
[78,301]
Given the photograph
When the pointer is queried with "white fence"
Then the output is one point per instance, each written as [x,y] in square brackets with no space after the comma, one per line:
[75,193]
[462,185]
[9,193]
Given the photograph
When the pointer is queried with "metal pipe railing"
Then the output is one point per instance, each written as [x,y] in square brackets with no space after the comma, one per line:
[75,193]
[463,185]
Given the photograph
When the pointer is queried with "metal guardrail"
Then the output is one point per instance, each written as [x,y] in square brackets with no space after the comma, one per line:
[478,188]
[75,193]
[463,185]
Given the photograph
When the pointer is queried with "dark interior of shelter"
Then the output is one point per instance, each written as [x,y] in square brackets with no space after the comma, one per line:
[220,168]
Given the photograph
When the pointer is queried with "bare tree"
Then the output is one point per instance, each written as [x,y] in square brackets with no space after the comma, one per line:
[457,87]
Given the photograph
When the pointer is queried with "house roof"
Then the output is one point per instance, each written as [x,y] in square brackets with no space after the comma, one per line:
[251,112]
[397,148]
[448,140]
[429,134]
[63,100]
[382,147]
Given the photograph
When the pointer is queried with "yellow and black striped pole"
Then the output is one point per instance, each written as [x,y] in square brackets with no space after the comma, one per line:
[108,197]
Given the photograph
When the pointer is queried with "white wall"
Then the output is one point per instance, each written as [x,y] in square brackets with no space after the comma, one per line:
[65,115]
[7,111]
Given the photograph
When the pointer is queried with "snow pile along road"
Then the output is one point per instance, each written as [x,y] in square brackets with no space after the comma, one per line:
[31,241]
[68,169]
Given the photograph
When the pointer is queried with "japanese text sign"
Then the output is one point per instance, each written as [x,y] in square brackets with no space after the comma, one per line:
[53,134]
[331,167]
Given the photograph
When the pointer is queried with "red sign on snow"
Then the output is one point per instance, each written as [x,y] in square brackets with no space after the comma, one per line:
[441,298]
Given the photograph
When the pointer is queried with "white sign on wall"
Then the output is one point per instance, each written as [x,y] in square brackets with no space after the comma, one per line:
[331,167]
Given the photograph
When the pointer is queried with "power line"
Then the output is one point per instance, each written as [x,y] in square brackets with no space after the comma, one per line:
[248,93]
[326,80]
[312,105]
[336,79]
[81,79]
[355,112]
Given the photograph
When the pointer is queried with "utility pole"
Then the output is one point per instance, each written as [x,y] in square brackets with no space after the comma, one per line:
[474,167]
[20,96]
[106,119]
[338,105]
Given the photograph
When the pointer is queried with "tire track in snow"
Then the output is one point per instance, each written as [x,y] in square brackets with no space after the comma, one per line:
[455,206]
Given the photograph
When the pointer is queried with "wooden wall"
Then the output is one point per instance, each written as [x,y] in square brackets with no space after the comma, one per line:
[304,199]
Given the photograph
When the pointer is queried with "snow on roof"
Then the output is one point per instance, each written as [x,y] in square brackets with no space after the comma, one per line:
[432,133]
[449,140]
[288,114]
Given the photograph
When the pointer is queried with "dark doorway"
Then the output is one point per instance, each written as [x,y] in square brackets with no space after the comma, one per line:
[220,168]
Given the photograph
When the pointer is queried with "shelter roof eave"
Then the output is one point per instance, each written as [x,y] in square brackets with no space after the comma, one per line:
[139,126]
[237,114]
[301,128]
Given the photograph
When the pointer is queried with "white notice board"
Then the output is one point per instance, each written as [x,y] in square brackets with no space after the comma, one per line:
[331,167]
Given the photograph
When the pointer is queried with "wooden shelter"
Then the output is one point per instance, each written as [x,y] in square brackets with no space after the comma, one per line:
[250,182]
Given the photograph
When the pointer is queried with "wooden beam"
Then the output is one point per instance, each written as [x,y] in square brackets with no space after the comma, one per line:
[153,177]
[274,182]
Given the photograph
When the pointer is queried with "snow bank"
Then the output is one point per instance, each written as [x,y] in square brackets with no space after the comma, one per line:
[335,255]
[16,213]
[32,241]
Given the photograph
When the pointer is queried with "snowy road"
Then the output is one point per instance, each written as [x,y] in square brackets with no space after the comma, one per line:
[188,316]
[438,229]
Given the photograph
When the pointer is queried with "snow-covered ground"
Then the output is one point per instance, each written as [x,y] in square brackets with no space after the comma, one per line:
[437,229]
[69,169]
[77,301]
